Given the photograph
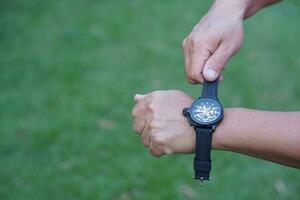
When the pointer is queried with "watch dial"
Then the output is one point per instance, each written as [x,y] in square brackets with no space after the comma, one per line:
[206,110]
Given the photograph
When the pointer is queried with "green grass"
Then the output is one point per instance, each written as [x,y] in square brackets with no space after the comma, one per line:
[69,69]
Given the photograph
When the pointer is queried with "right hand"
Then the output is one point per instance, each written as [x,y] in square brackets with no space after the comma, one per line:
[216,38]
[159,120]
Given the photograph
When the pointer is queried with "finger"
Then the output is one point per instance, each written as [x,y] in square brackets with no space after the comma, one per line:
[198,59]
[155,149]
[146,135]
[216,63]
[138,97]
[139,125]
[140,106]
[140,119]
[186,55]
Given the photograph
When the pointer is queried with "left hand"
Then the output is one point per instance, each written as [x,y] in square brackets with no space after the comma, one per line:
[159,120]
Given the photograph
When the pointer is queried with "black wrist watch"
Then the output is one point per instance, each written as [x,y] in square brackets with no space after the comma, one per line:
[204,115]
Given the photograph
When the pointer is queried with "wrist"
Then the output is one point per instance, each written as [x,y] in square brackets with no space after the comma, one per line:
[231,8]
[221,137]
[241,8]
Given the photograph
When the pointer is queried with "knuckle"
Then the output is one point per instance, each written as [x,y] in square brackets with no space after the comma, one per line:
[151,110]
[199,46]
[151,106]
[194,43]
[204,53]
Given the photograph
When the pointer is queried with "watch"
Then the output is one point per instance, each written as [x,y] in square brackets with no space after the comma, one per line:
[205,113]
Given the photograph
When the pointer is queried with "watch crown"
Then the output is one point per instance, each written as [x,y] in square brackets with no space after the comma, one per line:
[185,111]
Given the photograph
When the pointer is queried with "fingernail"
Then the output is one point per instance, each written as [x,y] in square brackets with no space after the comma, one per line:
[137,97]
[211,74]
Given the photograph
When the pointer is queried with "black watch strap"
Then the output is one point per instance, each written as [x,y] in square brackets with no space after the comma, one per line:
[202,161]
[210,89]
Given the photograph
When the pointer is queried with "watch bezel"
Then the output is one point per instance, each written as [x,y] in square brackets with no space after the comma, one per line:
[211,123]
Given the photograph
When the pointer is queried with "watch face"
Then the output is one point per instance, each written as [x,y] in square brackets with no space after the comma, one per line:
[206,111]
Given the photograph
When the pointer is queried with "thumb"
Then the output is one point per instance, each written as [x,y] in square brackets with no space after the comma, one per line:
[216,63]
[138,97]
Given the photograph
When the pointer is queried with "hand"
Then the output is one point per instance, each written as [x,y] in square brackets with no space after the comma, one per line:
[159,120]
[216,38]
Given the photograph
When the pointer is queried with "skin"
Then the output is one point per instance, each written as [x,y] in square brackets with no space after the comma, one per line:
[217,37]
[273,136]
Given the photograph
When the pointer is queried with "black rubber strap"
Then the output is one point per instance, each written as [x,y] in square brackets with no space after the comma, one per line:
[210,89]
[202,161]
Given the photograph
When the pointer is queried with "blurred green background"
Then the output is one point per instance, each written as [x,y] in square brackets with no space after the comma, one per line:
[69,70]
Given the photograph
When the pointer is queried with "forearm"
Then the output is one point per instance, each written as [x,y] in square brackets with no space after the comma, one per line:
[273,136]
[243,8]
